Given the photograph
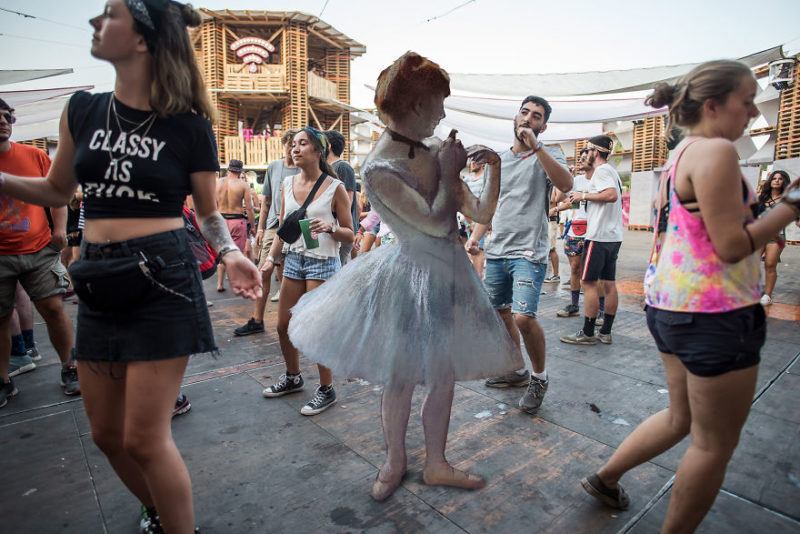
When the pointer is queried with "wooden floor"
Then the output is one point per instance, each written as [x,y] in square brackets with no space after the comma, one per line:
[257,465]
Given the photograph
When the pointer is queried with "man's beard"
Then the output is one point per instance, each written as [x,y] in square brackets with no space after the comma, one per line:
[516,129]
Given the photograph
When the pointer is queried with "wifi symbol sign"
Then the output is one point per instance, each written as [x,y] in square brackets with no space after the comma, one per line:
[253,51]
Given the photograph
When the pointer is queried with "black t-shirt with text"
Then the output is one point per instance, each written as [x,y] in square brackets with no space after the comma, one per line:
[149,173]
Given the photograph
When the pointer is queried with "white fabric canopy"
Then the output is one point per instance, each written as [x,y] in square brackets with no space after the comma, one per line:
[38,111]
[17,76]
[564,110]
[585,83]
[18,98]
[498,133]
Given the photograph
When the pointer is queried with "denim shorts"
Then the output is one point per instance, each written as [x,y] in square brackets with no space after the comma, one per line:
[515,283]
[299,267]
[710,344]
[165,324]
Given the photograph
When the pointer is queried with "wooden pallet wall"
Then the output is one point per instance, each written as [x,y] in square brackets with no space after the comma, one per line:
[227,125]
[40,143]
[649,147]
[213,55]
[295,52]
[337,69]
[787,145]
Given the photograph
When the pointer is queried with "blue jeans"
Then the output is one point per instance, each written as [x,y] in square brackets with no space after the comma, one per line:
[514,282]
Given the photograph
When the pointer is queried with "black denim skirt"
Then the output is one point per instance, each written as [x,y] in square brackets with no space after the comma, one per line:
[145,300]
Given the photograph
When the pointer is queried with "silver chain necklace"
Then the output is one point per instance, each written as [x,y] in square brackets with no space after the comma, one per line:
[149,121]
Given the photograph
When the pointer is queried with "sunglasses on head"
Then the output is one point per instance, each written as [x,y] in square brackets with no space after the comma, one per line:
[9,117]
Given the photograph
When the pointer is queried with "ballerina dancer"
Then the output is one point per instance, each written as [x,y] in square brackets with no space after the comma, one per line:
[422,292]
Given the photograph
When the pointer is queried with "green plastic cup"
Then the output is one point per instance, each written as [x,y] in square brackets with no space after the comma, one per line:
[311,242]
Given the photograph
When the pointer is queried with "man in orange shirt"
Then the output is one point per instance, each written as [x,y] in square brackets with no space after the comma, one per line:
[30,255]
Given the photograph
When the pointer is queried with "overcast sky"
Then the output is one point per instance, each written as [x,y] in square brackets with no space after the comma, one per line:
[491,36]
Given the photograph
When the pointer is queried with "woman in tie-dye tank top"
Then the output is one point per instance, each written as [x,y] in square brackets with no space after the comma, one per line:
[702,290]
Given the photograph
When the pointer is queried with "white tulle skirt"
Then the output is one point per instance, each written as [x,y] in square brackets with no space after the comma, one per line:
[412,312]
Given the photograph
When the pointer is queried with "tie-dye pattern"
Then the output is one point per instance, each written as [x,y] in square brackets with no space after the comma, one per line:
[685,274]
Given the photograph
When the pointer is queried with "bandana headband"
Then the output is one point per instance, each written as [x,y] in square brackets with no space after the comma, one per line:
[321,138]
[592,146]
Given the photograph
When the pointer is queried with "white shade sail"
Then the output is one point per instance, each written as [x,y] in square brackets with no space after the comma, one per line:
[18,76]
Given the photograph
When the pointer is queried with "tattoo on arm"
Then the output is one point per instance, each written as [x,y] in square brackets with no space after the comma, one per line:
[216,232]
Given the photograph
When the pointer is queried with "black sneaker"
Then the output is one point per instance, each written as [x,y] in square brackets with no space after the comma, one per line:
[149,522]
[321,401]
[286,384]
[252,327]
[182,405]
[7,390]
[69,380]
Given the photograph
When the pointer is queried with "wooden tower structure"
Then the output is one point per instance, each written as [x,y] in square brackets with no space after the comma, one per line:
[269,71]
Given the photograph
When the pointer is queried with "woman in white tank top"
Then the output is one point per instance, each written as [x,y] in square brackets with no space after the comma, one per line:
[305,269]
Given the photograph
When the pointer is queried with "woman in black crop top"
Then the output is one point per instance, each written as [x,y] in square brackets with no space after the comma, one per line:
[137,152]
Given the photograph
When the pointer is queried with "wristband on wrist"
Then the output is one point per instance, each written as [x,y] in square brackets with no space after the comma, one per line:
[224,250]
[271,259]
[583,197]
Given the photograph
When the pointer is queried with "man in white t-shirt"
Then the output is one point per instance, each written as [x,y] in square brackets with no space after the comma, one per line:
[602,242]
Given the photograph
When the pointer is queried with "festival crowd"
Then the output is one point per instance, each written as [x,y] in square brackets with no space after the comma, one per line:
[445,249]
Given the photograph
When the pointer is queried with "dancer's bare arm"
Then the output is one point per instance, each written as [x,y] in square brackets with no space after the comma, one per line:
[481,209]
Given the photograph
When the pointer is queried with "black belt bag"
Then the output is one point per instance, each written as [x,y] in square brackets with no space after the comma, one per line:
[111,284]
[118,284]
[289,232]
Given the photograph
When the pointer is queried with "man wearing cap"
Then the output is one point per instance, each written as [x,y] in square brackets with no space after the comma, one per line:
[517,253]
[236,206]
[602,242]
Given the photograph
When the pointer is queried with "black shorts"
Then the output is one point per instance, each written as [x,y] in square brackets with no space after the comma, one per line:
[164,325]
[599,260]
[710,344]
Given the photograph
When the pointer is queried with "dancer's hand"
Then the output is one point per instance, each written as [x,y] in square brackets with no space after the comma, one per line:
[452,156]
[482,154]
[244,277]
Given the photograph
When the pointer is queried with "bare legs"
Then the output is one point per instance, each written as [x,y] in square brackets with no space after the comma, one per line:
[130,408]
[395,410]
[291,291]
[436,422]
[771,256]
[59,327]
[532,335]
[712,410]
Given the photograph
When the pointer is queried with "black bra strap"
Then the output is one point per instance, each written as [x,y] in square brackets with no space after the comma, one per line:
[314,190]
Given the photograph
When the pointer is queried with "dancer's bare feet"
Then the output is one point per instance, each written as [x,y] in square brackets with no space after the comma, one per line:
[387,481]
[446,475]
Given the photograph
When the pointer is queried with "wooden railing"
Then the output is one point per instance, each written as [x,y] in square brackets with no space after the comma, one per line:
[320,87]
[269,78]
[254,151]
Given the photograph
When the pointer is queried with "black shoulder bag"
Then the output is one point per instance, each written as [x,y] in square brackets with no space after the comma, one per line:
[289,230]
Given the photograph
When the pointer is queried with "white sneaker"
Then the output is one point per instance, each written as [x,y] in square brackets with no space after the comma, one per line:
[276,296]
[766,300]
